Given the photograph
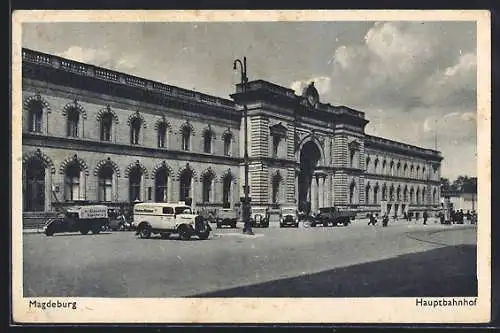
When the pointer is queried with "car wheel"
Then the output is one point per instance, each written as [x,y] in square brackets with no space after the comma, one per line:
[313,224]
[219,225]
[296,225]
[84,231]
[325,224]
[96,230]
[49,232]
[145,232]
[185,234]
[203,235]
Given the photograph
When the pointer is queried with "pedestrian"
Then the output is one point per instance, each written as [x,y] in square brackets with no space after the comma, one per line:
[385,220]
[425,216]
[410,216]
[373,220]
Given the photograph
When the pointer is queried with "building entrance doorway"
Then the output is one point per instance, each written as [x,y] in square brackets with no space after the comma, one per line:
[310,156]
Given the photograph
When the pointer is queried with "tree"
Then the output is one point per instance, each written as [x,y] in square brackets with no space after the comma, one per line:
[445,185]
[465,184]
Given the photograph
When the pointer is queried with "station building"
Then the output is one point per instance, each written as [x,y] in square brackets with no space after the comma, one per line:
[95,135]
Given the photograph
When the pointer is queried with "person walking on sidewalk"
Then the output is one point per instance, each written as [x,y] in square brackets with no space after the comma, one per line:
[425,216]
[373,220]
[385,220]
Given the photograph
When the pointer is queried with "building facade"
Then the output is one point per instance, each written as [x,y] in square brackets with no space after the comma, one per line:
[92,134]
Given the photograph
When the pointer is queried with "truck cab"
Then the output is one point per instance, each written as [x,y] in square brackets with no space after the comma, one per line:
[79,219]
[167,218]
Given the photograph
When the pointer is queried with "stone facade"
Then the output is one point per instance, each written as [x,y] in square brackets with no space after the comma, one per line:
[101,136]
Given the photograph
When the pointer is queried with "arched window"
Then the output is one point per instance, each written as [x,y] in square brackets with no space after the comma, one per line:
[72,182]
[391,168]
[375,194]
[161,185]
[412,172]
[106,126]
[186,179]
[34,189]
[398,169]
[398,194]
[412,193]
[226,191]
[417,175]
[72,121]
[207,142]
[434,197]
[186,138]
[384,192]
[367,194]
[106,183]
[423,172]
[375,165]
[368,164]
[391,193]
[35,116]
[135,180]
[227,144]
[405,170]
[352,193]
[207,188]
[162,135]
[417,196]
[384,165]
[423,196]
[135,130]
[405,194]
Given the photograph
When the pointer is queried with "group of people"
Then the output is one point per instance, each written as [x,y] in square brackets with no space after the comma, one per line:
[385,218]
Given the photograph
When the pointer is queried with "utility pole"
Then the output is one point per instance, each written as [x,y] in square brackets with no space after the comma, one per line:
[247,229]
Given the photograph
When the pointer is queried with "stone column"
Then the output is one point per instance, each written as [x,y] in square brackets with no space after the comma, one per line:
[170,189]
[327,197]
[296,187]
[193,192]
[314,194]
[114,187]
[83,179]
[321,191]
[48,190]
[142,192]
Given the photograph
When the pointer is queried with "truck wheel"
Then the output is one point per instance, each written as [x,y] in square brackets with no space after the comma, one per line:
[96,229]
[203,234]
[145,232]
[233,225]
[84,231]
[346,223]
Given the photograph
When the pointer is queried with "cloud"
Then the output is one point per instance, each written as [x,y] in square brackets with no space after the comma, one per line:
[101,57]
[322,84]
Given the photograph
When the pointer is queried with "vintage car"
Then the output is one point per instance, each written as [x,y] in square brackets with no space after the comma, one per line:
[169,218]
[227,216]
[333,216]
[259,217]
[289,216]
[79,219]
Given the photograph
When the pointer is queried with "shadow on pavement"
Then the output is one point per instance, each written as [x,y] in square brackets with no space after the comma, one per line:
[443,272]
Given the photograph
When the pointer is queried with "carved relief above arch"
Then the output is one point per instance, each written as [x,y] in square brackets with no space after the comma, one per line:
[107,110]
[163,165]
[208,172]
[186,167]
[36,99]
[209,131]
[74,159]
[44,158]
[136,164]
[228,133]
[136,115]
[187,126]
[104,163]
[74,106]
[228,174]
[162,120]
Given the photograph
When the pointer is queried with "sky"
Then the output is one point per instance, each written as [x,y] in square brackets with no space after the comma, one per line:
[415,81]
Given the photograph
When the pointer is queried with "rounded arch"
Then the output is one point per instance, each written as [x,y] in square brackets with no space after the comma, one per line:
[73,159]
[136,115]
[44,158]
[227,134]
[162,121]
[228,174]
[208,172]
[104,163]
[163,165]
[74,106]
[136,164]
[105,111]
[310,140]
[187,126]
[186,168]
[36,99]
[209,131]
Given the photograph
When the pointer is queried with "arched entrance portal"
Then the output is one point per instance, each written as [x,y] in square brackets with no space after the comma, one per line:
[310,156]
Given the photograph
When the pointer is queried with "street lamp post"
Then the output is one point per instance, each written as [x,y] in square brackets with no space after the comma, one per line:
[247,229]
